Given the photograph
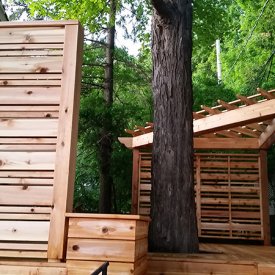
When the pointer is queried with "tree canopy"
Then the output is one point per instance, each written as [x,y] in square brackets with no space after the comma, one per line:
[245,28]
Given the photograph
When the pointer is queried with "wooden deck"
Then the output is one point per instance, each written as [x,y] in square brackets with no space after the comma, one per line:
[216,259]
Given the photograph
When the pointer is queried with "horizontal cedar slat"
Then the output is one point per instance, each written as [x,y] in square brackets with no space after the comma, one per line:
[25,217]
[113,250]
[28,46]
[26,195]
[18,270]
[50,64]
[26,181]
[29,114]
[144,211]
[30,95]
[27,160]
[243,189]
[247,177]
[116,268]
[233,164]
[144,198]
[234,214]
[30,141]
[226,226]
[30,79]
[28,127]
[32,35]
[26,174]
[29,108]
[24,83]
[35,231]
[145,187]
[27,148]
[26,210]
[31,52]
[100,228]
[24,246]
[217,201]
[145,175]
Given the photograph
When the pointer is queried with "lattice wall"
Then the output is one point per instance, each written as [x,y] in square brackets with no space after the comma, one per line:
[228,194]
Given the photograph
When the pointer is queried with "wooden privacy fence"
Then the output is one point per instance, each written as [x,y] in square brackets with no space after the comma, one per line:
[229,197]
[40,65]
[39,99]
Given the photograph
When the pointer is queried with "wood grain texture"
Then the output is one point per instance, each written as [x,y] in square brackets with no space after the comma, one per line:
[32,270]
[115,268]
[20,231]
[67,139]
[32,35]
[109,250]
[102,229]
[49,64]
[27,161]
[31,83]
[30,95]
[28,127]
[26,195]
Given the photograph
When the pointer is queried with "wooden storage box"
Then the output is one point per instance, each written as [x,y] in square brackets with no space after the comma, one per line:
[95,238]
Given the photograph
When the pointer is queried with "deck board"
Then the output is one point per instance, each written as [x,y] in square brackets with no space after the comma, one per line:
[218,259]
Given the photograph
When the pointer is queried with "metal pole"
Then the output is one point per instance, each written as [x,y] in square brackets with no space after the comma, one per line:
[219,63]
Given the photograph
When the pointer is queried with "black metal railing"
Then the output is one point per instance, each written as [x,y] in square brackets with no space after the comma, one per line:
[102,269]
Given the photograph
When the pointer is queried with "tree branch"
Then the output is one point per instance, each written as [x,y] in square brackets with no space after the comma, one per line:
[96,42]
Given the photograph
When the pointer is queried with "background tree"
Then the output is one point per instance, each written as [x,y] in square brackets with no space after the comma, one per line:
[173,227]
[99,19]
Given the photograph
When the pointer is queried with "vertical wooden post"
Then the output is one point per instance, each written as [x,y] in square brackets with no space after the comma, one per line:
[135,181]
[264,197]
[67,140]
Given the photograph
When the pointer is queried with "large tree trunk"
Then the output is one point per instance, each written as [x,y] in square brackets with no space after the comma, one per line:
[106,141]
[173,227]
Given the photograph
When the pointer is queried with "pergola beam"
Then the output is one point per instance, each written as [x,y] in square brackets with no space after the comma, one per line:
[241,116]
[267,138]
[137,141]
[226,143]
[199,143]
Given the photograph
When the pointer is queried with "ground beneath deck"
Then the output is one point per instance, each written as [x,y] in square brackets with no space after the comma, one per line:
[216,259]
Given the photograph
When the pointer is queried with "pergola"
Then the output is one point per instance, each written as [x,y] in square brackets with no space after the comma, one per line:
[245,123]
[231,187]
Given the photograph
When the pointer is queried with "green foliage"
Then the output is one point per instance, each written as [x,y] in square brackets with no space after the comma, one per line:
[246,31]
[132,104]
[249,48]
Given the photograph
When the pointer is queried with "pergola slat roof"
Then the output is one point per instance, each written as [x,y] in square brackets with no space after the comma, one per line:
[247,122]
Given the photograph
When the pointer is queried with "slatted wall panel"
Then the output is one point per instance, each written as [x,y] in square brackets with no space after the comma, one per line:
[145,160]
[230,198]
[228,194]
[31,65]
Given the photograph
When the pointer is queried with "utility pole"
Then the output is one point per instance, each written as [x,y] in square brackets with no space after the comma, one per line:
[219,63]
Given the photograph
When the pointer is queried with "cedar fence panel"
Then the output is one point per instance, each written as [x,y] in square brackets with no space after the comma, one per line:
[39,94]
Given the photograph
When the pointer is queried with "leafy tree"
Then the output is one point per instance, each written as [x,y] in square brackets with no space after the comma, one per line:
[249,47]
[99,20]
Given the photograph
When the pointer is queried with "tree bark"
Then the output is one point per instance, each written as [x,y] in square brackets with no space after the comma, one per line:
[173,227]
[106,141]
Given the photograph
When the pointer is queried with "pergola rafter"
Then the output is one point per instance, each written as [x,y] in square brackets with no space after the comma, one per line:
[247,122]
